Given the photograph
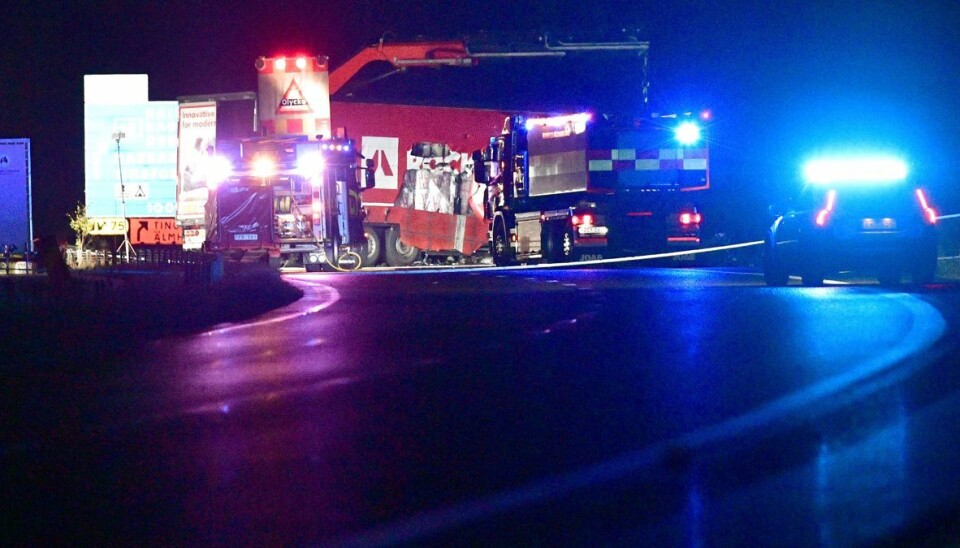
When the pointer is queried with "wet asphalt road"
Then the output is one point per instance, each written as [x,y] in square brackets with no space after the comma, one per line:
[582,407]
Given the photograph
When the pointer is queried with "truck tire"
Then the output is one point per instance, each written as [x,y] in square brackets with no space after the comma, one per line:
[374,250]
[500,246]
[774,272]
[889,275]
[398,253]
[551,243]
[924,268]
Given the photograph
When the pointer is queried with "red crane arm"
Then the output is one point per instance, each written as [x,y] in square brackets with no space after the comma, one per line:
[413,54]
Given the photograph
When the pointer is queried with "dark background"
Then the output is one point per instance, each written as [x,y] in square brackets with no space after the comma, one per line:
[783,80]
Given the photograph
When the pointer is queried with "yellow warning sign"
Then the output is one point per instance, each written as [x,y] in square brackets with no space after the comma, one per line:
[293,101]
[155,232]
[107,226]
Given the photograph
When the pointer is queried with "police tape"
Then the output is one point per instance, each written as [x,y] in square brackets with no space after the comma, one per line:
[616,260]
[672,254]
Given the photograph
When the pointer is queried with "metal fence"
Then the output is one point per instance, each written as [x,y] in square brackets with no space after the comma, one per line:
[195,266]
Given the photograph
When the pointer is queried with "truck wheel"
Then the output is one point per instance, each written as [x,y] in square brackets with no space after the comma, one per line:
[397,252]
[924,269]
[374,249]
[774,273]
[889,275]
[551,244]
[500,246]
[812,277]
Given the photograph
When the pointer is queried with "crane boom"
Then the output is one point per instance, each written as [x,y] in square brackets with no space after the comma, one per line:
[458,53]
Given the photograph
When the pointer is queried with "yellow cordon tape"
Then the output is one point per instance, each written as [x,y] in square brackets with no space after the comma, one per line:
[636,258]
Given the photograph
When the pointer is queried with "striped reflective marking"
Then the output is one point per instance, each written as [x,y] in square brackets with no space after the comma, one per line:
[628,159]
[461,230]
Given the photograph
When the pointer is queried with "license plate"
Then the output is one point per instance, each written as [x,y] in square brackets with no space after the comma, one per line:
[593,230]
[886,223]
[687,257]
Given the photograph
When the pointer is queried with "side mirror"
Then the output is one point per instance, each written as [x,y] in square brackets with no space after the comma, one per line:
[479,168]
[369,175]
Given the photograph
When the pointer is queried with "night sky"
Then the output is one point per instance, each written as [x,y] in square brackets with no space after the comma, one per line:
[783,79]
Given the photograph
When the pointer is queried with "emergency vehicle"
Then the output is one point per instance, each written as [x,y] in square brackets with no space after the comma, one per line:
[574,187]
[860,213]
[291,200]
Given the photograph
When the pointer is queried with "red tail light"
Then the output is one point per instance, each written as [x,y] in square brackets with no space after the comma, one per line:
[582,220]
[687,219]
[824,215]
[929,214]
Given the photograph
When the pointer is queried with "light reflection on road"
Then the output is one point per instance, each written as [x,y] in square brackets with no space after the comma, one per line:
[839,333]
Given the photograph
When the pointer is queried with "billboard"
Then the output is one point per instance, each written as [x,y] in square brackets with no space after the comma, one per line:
[130,144]
[143,162]
[198,133]
[16,221]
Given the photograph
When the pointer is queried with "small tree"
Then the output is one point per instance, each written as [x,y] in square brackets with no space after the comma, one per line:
[80,224]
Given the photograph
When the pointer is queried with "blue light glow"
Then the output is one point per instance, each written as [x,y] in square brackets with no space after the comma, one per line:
[855,170]
[688,133]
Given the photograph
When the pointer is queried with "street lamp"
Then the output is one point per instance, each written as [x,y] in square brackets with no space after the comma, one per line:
[125,246]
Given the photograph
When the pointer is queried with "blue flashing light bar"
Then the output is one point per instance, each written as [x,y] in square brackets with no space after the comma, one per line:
[687,133]
[857,170]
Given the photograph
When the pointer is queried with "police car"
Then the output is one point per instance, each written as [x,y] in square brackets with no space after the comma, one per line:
[856,213]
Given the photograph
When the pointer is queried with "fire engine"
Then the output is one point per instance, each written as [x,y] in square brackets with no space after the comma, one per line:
[572,187]
[291,199]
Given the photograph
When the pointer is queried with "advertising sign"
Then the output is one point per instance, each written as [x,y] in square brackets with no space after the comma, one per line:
[198,136]
[133,147]
[16,222]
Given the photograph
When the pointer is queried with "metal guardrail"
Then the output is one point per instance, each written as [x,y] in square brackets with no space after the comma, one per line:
[195,266]
[85,277]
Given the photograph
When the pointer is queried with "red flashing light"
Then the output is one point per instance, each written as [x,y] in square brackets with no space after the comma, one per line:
[585,220]
[690,218]
[301,63]
[929,214]
[280,64]
[824,213]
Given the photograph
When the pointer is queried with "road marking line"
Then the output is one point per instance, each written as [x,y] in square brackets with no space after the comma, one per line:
[333,297]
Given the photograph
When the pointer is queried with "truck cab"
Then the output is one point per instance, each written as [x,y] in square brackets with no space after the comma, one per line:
[291,200]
